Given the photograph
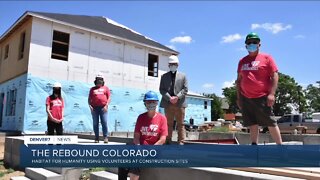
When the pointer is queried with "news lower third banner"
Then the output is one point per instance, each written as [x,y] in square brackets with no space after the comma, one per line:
[70,155]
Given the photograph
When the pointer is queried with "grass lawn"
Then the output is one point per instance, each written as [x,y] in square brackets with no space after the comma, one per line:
[86,174]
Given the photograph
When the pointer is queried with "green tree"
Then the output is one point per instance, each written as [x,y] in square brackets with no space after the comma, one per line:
[289,96]
[216,109]
[231,94]
[313,97]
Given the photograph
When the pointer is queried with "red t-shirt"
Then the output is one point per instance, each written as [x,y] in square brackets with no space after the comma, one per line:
[56,106]
[99,96]
[256,73]
[151,129]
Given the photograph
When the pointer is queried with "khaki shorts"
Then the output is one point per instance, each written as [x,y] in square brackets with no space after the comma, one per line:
[256,112]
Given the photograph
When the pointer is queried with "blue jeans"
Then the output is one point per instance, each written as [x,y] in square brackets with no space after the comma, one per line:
[96,113]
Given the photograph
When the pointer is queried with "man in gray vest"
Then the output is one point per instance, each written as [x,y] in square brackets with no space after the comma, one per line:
[173,88]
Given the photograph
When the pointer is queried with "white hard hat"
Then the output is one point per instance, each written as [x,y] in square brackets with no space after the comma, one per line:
[57,85]
[99,75]
[173,59]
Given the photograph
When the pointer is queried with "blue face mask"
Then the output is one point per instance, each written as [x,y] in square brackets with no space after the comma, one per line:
[252,47]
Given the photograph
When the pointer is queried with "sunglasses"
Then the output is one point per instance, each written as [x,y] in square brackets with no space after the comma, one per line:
[252,42]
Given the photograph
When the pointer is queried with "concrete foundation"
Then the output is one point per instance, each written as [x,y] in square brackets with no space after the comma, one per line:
[12,159]
[204,174]
[19,178]
[12,151]
[42,174]
[103,175]
[244,138]
[67,173]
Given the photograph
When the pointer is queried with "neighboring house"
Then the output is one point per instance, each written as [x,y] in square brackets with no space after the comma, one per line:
[41,48]
[199,108]
[225,105]
[228,115]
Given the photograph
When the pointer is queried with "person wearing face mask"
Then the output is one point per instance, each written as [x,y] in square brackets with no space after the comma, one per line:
[256,87]
[150,129]
[99,100]
[55,108]
[173,88]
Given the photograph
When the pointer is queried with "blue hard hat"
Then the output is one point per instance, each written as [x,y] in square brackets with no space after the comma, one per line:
[150,96]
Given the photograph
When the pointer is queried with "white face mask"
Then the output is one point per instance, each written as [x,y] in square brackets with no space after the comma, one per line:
[152,106]
[173,68]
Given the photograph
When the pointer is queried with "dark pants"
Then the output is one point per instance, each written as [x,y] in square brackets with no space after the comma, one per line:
[52,126]
[123,172]
[256,112]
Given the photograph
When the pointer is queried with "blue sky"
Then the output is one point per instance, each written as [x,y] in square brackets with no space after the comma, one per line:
[208,34]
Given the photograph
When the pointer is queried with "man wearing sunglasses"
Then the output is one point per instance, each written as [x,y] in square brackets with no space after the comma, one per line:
[256,87]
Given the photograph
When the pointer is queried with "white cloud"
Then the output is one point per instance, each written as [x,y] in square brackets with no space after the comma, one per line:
[181,39]
[304,85]
[231,38]
[171,47]
[274,28]
[299,36]
[207,85]
[228,84]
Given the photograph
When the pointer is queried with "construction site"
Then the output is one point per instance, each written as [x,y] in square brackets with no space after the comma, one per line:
[73,49]
[12,160]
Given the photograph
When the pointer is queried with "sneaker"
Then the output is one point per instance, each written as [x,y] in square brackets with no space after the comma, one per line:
[96,141]
[106,140]
[181,143]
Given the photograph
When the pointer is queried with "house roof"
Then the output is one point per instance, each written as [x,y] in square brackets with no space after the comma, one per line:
[99,24]
[196,95]
[230,117]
